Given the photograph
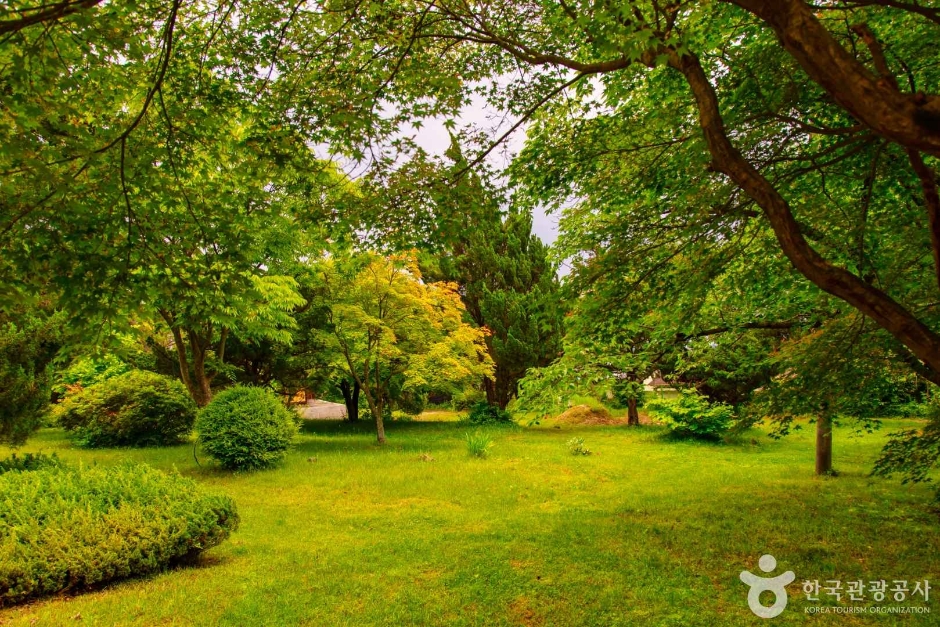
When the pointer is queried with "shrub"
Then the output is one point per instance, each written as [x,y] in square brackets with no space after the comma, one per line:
[246,428]
[29,341]
[692,415]
[30,461]
[400,416]
[137,408]
[478,444]
[412,402]
[576,447]
[64,529]
[88,371]
[467,398]
[483,413]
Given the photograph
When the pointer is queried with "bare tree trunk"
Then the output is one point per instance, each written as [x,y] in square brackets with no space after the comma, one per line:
[489,386]
[203,392]
[375,406]
[633,415]
[497,390]
[824,444]
[183,361]
[350,399]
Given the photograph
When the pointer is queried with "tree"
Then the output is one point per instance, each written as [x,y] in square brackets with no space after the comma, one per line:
[30,339]
[146,178]
[509,287]
[393,333]
[797,87]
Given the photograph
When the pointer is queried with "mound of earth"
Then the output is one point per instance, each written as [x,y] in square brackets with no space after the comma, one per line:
[584,415]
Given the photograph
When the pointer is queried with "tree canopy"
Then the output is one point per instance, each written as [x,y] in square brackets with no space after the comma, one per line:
[394,334]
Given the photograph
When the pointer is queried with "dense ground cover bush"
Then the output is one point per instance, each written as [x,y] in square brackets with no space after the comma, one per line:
[64,529]
[483,413]
[692,415]
[29,461]
[246,428]
[137,408]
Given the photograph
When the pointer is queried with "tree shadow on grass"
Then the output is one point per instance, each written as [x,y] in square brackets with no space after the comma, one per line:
[359,437]
[183,564]
[367,427]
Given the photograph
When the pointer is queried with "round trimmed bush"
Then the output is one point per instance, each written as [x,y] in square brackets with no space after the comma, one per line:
[246,428]
[137,408]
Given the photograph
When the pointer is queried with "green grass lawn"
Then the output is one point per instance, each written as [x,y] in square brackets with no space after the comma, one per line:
[643,532]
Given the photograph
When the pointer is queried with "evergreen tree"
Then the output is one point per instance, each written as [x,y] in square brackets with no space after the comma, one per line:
[508,286]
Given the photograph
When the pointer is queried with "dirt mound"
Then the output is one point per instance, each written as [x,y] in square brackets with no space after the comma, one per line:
[584,415]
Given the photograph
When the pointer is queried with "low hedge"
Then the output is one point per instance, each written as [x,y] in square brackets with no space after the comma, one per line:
[246,428]
[137,408]
[64,529]
[30,461]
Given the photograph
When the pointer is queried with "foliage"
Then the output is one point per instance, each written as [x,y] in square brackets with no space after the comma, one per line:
[466,398]
[400,416]
[64,529]
[576,447]
[483,413]
[730,367]
[395,334]
[912,453]
[479,443]
[30,338]
[692,415]
[246,428]
[88,371]
[29,461]
[146,177]
[612,341]
[507,284]
[137,408]
[843,368]
[624,391]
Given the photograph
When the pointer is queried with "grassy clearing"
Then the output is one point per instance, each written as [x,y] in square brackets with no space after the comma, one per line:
[642,532]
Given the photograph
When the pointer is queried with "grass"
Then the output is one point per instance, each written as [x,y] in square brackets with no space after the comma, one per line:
[642,532]
[479,443]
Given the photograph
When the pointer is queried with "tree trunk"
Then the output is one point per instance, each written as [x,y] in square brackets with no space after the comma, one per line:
[376,408]
[195,381]
[633,415]
[350,399]
[910,331]
[824,444]
[497,390]
[202,392]
[907,119]
[489,386]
